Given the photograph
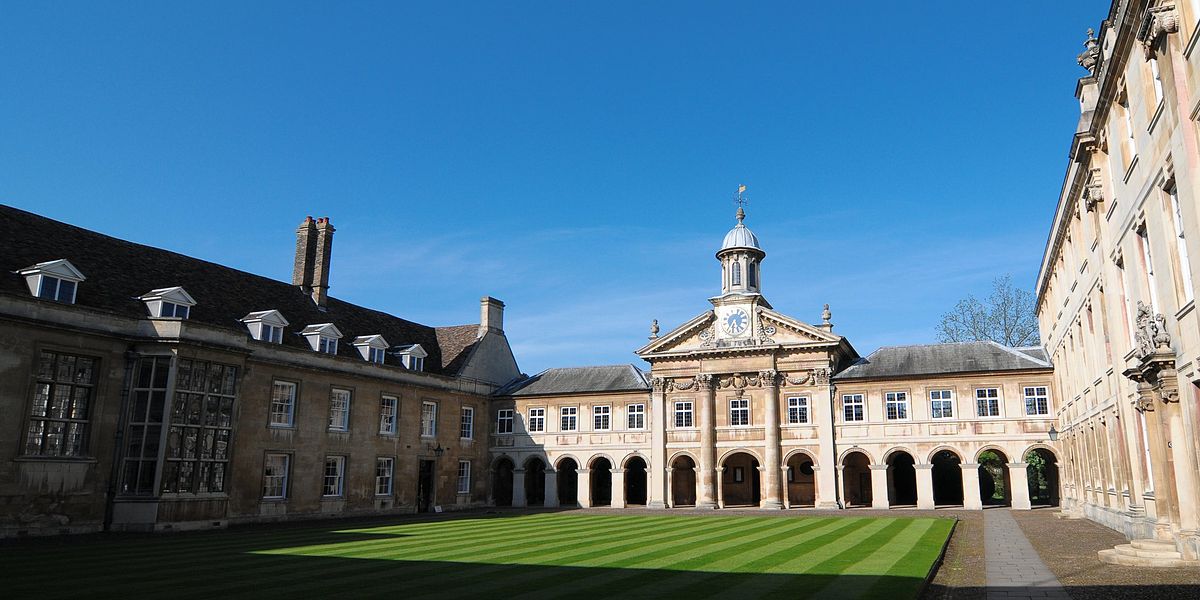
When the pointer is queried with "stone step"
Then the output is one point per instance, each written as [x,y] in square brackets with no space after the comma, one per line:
[1149,544]
[1112,557]
[1130,550]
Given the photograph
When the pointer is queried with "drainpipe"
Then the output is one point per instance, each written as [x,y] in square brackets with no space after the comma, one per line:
[119,438]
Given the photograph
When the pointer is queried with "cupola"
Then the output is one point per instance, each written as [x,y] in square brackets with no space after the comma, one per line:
[740,256]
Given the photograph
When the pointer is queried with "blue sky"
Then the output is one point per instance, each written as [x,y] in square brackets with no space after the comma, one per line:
[575,160]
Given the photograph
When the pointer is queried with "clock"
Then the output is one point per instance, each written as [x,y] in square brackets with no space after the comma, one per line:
[735,322]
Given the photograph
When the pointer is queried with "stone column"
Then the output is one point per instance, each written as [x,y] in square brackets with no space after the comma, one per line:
[970,479]
[670,498]
[824,411]
[657,481]
[519,499]
[771,455]
[841,487]
[708,442]
[618,488]
[719,473]
[786,491]
[1018,476]
[1184,463]
[551,489]
[879,486]
[583,487]
[925,487]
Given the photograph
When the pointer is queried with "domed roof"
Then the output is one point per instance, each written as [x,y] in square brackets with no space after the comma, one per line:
[740,236]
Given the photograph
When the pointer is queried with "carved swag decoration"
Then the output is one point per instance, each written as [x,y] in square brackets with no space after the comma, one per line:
[741,381]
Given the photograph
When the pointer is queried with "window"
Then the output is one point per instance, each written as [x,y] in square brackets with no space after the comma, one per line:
[941,404]
[739,474]
[464,477]
[339,410]
[272,334]
[387,414]
[62,400]
[797,410]
[1184,264]
[737,273]
[752,275]
[383,475]
[504,421]
[171,303]
[537,419]
[275,476]
[1157,80]
[466,423]
[323,337]
[327,345]
[58,290]
[143,434]
[683,414]
[428,419]
[1148,266]
[897,406]
[413,363]
[196,458]
[739,412]
[375,355]
[283,404]
[987,402]
[636,416]
[568,418]
[170,309]
[1037,402]
[852,407]
[601,418]
[334,482]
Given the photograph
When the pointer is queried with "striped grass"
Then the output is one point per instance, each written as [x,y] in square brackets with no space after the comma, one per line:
[544,555]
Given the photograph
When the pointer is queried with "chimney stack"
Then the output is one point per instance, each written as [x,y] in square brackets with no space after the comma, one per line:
[320,266]
[306,253]
[491,316]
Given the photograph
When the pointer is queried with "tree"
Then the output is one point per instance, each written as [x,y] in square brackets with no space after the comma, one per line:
[1007,317]
[991,463]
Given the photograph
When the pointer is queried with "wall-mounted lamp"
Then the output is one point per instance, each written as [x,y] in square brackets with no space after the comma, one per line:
[1053,433]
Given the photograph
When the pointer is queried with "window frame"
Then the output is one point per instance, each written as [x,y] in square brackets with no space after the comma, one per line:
[466,423]
[859,402]
[327,345]
[431,430]
[504,415]
[565,413]
[339,476]
[743,409]
[345,426]
[900,400]
[1044,397]
[944,401]
[83,425]
[638,410]
[602,417]
[801,409]
[291,406]
[686,409]
[395,416]
[58,289]
[999,403]
[537,422]
[463,486]
[390,476]
[283,480]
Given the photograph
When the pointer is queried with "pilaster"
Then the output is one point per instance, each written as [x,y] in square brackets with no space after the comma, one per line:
[879,487]
[970,482]
[519,499]
[707,497]
[657,482]
[551,489]
[924,487]
[771,487]
[1018,475]
[583,487]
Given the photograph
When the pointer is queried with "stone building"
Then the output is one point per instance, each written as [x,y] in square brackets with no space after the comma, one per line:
[746,406]
[1116,290]
[146,390]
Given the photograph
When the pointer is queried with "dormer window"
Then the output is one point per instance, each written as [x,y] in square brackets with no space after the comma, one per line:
[266,326]
[55,280]
[413,357]
[169,303]
[371,347]
[322,337]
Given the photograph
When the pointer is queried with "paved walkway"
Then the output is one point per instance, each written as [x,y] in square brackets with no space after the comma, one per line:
[1014,569]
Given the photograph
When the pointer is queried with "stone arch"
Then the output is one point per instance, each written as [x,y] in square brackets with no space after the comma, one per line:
[849,451]
[887,455]
[993,448]
[633,455]
[742,449]
[1044,482]
[740,481]
[1040,446]
[856,477]
[502,480]
[636,479]
[687,453]
[567,472]
[800,478]
[901,477]
[794,451]
[995,483]
[946,472]
[535,467]
[946,448]
[683,479]
[600,468]
[499,457]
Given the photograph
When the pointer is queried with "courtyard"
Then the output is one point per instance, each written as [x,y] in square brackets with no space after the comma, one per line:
[538,555]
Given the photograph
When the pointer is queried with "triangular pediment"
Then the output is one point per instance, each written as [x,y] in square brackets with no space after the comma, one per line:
[770,330]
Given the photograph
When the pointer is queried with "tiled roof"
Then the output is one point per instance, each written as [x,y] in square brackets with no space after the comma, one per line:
[936,359]
[572,380]
[118,271]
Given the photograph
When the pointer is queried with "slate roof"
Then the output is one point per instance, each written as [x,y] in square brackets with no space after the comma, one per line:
[937,359]
[574,380]
[118,271]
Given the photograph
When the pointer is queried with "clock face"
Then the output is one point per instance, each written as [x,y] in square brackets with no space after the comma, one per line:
[736,322]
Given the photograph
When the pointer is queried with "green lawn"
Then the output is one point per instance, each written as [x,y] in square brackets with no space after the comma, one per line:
[547,555]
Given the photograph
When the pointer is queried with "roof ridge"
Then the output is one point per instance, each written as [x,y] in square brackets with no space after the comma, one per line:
[1018,353]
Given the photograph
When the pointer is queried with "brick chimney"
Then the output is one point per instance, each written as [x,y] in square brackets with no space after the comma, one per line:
[491,316]
[320,269]
[306,254]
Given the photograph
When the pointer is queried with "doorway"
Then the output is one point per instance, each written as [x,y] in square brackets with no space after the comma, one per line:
[425,486]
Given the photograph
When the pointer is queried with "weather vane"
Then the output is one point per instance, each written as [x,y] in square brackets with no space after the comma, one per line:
[740,198]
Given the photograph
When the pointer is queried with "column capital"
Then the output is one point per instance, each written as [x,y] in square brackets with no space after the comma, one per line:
[923,466]
[768,378]
[706,381]
[969,465]
[1017,465]
[583,471]
[617,471]
[521,471]
[879,467]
